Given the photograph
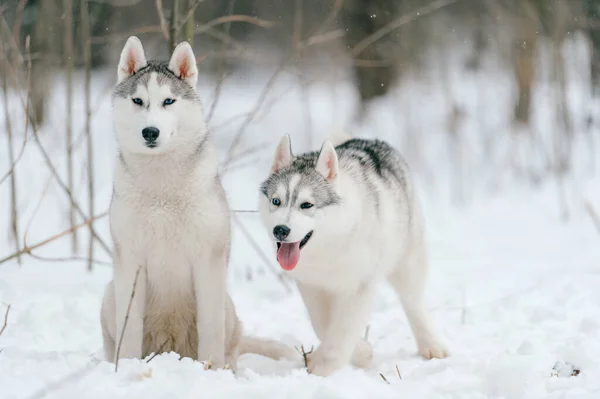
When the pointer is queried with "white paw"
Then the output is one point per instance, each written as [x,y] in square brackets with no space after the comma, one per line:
[362,357]
[437,351]
[323,363]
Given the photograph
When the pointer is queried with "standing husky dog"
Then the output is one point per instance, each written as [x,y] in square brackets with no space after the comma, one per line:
[342,220]
[169,221]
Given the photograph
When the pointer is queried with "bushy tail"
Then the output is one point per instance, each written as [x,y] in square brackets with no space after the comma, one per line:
[267,347]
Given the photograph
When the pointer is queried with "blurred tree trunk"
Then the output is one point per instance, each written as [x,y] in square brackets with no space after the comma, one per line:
[68,61]
[362,18]
[524,65]
[43,41]
[591,9]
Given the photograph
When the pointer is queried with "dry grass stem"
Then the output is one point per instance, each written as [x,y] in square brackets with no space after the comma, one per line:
[304,353]
[137,275]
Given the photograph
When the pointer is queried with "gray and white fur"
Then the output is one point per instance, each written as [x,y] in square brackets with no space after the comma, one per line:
[341,220]
[169,219]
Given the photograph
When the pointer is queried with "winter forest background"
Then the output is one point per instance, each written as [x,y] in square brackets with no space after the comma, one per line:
[492,102]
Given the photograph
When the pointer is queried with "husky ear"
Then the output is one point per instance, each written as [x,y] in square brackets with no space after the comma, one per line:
[183,64]
[132,59]
[327,163]
[283,154]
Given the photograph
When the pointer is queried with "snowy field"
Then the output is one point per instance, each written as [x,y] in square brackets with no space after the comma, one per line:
[514,286]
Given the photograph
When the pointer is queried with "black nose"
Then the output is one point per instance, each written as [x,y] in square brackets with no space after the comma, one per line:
[150,134]
[281,232]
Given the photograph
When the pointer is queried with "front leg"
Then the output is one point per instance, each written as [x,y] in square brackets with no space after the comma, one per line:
[129,337]
[348,316]
[210,275]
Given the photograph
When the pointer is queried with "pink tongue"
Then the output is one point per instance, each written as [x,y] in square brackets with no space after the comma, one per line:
[288,255]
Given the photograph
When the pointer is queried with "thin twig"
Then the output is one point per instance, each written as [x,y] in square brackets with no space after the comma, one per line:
[71,259]
[593,215]
[305,354]
[28,249]
[137,274]
[260,252]
[383,378]
[252,114]
[5,320]
[159,351]
[398,22]
[36,210]
[398,371]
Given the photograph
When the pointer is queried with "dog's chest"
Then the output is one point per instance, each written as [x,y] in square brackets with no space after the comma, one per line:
[168,232]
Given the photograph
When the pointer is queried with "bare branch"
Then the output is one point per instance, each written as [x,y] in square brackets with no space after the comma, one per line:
[235,18]
[221,77]
[48,161]
[164,25]
[189,13]
[137,274]
[69,65]
[260,253]
[14,223]
[71,259]
[252,114]
[398,22]
[173,29]
[28,249]
[5,320]
[87,59]
[593,215]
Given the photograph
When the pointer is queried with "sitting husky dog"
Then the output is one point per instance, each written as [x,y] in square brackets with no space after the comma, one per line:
[342,220]
[169,222]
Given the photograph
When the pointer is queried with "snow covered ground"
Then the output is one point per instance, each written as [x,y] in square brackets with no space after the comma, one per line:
[514,288]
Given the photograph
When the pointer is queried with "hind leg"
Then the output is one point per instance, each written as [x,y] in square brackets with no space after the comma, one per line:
[107,321]
[408,280]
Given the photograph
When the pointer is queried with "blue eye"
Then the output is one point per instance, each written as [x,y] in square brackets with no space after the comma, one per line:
[276,201]
[168,101]
[137,101]
[306,205]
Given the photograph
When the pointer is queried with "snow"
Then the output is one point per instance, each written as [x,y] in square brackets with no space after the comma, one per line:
[513,284]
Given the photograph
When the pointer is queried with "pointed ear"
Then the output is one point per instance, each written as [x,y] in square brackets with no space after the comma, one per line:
[283,154]
[327,164]
[183,64]
[132,59]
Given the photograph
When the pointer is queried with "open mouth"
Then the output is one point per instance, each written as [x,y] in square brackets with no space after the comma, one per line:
[288,253]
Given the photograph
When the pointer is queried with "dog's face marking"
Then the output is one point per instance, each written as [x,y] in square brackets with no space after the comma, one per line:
[295,197]
[153,100]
